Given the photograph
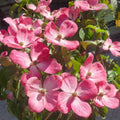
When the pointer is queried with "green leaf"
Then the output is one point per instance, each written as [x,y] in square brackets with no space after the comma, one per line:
[71,3]
[111,75]
[116,68]
[69,115]
[97,29]
[82,34]
[75,65]
[89,34]
[116,84]
[85,44]
[103,112]
[12,9]
[5,74]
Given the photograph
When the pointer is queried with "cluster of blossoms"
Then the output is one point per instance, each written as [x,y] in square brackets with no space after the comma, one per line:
[61,92]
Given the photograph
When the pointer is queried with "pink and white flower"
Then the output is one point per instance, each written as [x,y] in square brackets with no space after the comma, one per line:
[67,29]
[106,96]
[92,71]
[43,9]
[89,5]
[70,13]
[73,95]
[23,39]
[113,47]
[43,96]
[39,57]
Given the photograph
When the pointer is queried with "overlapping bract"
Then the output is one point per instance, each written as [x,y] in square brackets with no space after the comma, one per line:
[39,57]
[67,29]
[113,47]
[89,5]
[93,71]
[74,95]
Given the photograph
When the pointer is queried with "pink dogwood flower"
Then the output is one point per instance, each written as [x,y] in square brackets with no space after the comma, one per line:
[43,96]
[95,5]
[70,13]
[92,71]
[23,23]
[106,96]
[67,29]
[23,39]
[73,95]
[43,9]
[113,47]
[39,57]
[89,5]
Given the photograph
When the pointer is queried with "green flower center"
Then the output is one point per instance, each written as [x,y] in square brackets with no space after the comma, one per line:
[43,91]
[21,43]
[101,94]
[88,75]
[109,46]
[58,38]
[74,94]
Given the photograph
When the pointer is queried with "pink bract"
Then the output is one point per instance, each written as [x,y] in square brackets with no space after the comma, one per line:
[33,72]
[67,29]
[43,96]
[73,96]
[3,34]
[3,54]
[89,5]
[39,57]
[113,47]
[92,71]
[23,22]
[70,13]
[106,96]
[43,9]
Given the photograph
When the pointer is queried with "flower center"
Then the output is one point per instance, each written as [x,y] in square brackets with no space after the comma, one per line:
[101,94]
[58,38]
[34,63]
[43,91]
[74,94]
[21,43]
[88,75]
[109,46]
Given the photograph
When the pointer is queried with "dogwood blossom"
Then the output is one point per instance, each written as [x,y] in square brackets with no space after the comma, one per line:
[43,96]
[23,39]
[43,9]
[92,71]
[106,96]
[67,29]
[113,47]
[89,5]
[39,58]
[22,32]
[70,13]
[73,95]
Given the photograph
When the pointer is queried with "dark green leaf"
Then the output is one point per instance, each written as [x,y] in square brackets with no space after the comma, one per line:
[82,34]
[5,74]
[103,112]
